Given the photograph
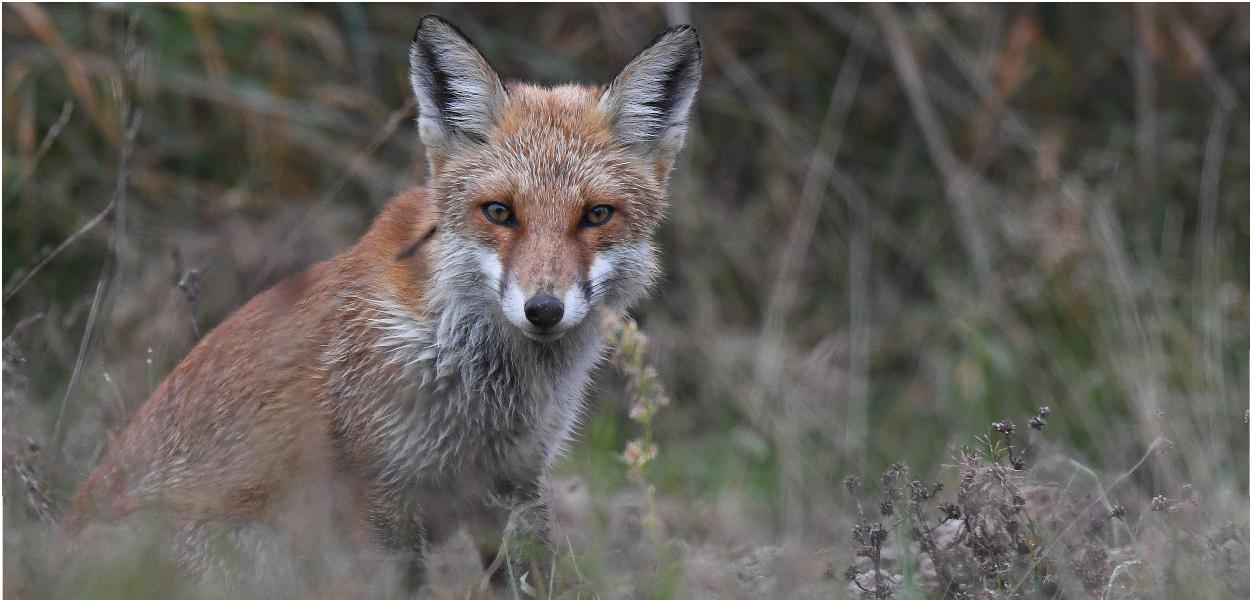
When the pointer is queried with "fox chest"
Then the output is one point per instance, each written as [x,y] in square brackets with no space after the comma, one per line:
[483,420]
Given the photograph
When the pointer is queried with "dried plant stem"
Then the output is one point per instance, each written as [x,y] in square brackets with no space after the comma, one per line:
[1043,553]
[96,220]
[22,326]
[76,72]
[397,117]
[1146,118]
[961,181]
[119,195]
[1120,568]
[58,432]
[925,534]
[53,132]
[1209,322]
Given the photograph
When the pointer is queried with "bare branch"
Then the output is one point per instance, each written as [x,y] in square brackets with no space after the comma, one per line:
[960,180]
[53,132]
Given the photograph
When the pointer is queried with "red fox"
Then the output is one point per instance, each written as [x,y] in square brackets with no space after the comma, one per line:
[430,373]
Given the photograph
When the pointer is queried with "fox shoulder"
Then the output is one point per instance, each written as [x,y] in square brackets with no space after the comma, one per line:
[244,400]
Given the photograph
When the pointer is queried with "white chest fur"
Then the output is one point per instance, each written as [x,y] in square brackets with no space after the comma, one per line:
[457,396]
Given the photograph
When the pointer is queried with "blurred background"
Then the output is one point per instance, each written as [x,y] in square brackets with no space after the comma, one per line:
[891,227]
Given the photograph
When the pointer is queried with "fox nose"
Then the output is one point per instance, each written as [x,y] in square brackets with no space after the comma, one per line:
[544,310]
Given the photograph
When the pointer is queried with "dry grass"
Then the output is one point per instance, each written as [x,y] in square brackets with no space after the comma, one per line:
[893,226]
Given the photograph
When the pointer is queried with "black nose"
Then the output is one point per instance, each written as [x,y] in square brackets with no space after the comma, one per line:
[544,310]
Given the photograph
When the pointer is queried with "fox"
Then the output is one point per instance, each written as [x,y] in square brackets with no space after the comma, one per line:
[425,378]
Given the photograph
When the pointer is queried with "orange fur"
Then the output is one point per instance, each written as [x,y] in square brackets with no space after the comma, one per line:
[251,383]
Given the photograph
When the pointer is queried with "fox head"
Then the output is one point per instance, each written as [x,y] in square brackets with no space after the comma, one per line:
[548,198]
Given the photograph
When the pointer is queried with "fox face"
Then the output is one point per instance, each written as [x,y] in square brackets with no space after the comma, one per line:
[548,198]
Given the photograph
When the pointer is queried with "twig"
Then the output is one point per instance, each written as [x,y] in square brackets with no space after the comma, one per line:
[1208,316]
[63,245]
[21,327]
[959,178]
[1043,553]
[42,28]
[53,132]
[1106,595]
[397,117]
[975,76]
[509,530]
[188,281]
[119,194]
[1143,383]
[815,183]
[1145,119]
[1225,93]
[58,434]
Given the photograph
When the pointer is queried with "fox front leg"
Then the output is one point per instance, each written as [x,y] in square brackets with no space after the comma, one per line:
[521,549]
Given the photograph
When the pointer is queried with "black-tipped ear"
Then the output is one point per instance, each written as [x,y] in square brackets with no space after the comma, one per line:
[458,93]
[649,101]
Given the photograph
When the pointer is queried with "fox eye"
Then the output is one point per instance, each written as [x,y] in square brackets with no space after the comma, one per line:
[598,216]
[499,214]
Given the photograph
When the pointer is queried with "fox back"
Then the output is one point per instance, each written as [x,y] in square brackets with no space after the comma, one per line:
[422,380]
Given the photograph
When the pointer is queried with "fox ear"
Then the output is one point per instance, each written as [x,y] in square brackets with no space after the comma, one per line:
[649,101]
[459,96]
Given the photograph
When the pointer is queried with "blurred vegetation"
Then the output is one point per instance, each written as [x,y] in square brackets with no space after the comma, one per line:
[892,226]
